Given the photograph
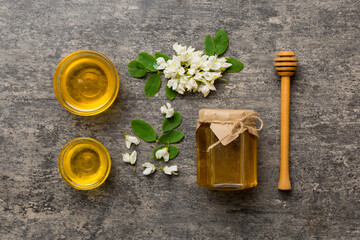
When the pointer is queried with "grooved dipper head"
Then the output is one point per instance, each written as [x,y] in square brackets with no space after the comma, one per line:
[286,63]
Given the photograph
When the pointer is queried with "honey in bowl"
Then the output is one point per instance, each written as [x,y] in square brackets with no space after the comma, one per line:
[86,82]
[84,163]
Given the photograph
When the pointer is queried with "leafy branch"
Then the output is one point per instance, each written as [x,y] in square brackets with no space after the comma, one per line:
[146,63]
[167,136]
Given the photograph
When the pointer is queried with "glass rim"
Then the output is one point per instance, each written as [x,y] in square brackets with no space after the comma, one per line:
[68,180]
[56,81]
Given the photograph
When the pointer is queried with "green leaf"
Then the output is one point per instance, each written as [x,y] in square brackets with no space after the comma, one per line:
[171,137]
[171,123]
[136,69]
[209,46]
[148,61]
[152,85]
[236,66]
[170,93]
[166,57]
[221,41]
[173,152]
[143,130]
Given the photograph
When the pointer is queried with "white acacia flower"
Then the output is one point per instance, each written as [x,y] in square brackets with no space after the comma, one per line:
[191,85]
[181,71]
[172,68]
[210,76]
[126,157]
[213,63]
[185,57]
[149,168]
[176,84]
[173,83]
[224,64]
[161,62]
[190,50]
[205,88]
[191,70]
[131,139]
[170,73]
[179,49]
[196,62]
[170,170]
[167,110]
[130,158]
[198,76]
[180,88]
[204,57]
[163,153]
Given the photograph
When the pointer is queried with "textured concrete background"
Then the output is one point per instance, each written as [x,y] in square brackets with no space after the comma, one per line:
[35,203]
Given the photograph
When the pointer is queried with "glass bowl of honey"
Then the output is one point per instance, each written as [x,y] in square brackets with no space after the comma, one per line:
[86,82]
[84,163]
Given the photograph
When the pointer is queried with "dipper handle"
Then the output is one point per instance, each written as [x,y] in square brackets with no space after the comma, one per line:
[285,65]
[284,181]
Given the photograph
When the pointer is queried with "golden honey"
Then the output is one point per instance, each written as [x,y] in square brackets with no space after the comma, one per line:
[226,168]
[86,82]
[84,163]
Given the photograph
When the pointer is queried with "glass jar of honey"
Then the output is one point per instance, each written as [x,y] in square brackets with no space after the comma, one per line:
[227,149]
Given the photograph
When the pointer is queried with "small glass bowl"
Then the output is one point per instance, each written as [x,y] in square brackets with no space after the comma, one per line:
[73,163]
[70,62]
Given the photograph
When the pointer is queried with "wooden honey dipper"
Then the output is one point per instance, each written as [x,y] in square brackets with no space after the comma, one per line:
[285,65]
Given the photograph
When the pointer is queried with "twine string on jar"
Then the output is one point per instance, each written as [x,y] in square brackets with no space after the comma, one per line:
[238,128]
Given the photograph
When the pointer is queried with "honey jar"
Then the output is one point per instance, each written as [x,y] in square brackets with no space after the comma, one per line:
[227,149]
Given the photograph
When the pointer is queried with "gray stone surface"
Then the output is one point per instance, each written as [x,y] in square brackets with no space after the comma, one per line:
[35,203]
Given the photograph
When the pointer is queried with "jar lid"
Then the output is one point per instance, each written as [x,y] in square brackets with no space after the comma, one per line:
[228,124]
[232,115]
